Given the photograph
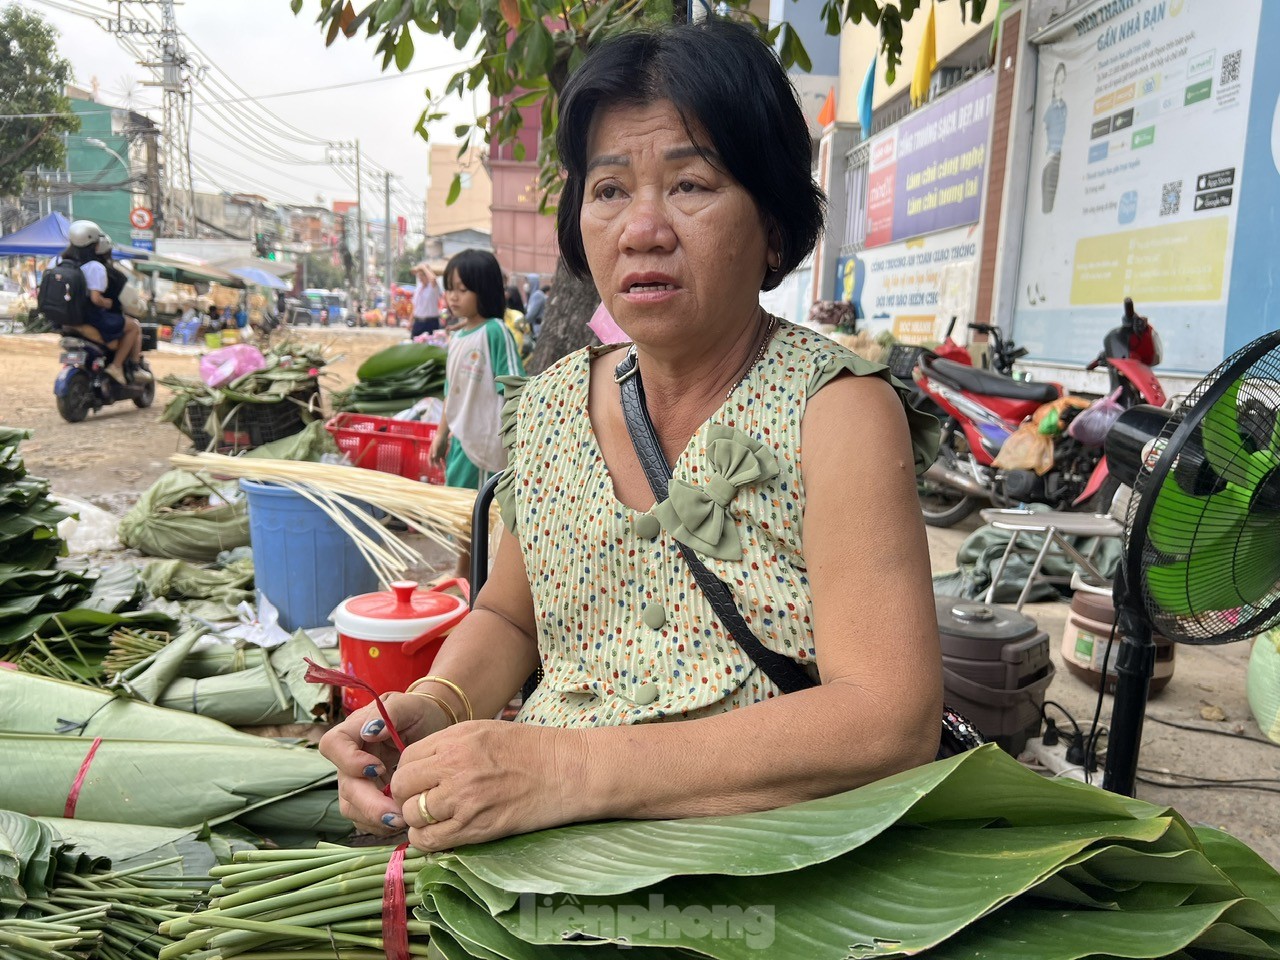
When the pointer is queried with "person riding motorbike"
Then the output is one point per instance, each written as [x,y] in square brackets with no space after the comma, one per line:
[134,366]
[106,323]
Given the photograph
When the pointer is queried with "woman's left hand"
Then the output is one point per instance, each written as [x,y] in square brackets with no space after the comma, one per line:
[486,779]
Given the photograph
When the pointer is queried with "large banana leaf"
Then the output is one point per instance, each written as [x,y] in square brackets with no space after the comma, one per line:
[969,857]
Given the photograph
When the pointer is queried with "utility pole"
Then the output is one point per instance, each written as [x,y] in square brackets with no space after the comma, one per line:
[362,287]
[391,266]
[173,68]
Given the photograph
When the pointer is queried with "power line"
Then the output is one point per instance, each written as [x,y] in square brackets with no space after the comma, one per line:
[340,86]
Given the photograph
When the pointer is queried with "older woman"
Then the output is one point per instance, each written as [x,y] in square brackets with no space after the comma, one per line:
[686,193]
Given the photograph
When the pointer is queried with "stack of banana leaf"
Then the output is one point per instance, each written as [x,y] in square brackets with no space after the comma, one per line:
[395,379]
[971,857]
[975,856]
[59,902]
[40,604]
[72,617]
[28,517]
[203,413]
[154,766]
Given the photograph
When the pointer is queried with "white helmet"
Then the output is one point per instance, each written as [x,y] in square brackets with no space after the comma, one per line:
[84,233]
[104,245]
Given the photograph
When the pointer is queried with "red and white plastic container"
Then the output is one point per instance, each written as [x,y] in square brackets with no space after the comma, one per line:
[390,638]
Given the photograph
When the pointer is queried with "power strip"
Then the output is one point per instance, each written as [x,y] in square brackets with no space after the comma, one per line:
[1053,758]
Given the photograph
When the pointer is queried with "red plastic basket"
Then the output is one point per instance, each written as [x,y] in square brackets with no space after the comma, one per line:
[387,445]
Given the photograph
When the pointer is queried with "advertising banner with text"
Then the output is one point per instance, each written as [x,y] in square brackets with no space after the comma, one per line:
[1136,162]
[926,172]
[912,288]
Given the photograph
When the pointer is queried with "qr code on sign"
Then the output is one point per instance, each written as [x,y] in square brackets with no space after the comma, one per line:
[1171,198]
[1230,68]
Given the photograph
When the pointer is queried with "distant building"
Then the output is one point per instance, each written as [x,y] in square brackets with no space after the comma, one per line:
[524,239]
[111,167]
[471,210]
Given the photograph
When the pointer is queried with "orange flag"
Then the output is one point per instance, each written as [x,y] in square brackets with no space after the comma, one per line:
[827,115]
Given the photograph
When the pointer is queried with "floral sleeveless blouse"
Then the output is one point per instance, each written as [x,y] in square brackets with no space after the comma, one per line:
[624,633]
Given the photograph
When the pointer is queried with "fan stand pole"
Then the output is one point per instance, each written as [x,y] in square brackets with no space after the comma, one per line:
[1135,665]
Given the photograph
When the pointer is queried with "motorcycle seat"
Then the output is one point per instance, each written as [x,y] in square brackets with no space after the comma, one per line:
[84,332]
[988,382]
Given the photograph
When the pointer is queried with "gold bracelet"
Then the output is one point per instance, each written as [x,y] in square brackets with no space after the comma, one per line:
[448,710]
[466,703]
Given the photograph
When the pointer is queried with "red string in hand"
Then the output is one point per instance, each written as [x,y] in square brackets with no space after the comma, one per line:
[339,678]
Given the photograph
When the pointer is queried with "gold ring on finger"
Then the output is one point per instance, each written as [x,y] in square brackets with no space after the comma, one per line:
[422,808]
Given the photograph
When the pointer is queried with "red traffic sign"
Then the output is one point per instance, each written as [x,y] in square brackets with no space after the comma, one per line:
[141,218]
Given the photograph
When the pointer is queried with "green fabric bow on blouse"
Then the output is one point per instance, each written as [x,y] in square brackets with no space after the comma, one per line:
[698,515]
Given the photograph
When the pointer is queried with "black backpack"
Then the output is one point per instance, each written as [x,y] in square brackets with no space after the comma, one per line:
[64,296]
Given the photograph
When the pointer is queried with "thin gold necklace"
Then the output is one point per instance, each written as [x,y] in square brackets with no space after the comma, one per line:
[770,326]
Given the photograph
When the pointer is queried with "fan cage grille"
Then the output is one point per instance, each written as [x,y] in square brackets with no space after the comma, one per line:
[1206,537]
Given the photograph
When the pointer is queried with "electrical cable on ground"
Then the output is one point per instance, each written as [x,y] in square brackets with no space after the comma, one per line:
[1216,733]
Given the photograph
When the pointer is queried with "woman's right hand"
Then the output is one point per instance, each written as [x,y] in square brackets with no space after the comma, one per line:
[362,750]
[439,449]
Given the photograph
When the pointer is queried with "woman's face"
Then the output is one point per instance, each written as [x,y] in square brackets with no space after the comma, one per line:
[463,303]
[675,245]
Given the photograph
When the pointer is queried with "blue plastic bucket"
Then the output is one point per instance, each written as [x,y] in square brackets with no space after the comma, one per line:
[303,562]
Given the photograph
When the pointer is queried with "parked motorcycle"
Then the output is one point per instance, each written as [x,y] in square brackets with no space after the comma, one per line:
[980,409]
[84,386]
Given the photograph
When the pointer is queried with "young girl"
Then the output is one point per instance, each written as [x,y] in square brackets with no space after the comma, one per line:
[481,349]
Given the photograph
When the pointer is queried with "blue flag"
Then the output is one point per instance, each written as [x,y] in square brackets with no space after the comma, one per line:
[864,99]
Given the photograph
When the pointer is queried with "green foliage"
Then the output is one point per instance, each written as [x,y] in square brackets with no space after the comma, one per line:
[322,272]
[528,48]
[33,77]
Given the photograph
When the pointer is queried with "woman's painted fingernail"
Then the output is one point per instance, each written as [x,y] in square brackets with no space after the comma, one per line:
[372,728]
[391,820]
[371,771]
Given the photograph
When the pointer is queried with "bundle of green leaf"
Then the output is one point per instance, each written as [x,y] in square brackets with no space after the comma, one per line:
[192,516]
[28,517]
[395,379]
[321,903]
[61,621]
[155,766]
[57,903]
[975,856]
[290,376]
[274,691]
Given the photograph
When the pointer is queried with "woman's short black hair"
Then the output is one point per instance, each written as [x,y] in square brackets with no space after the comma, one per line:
[722,77]
[480,273]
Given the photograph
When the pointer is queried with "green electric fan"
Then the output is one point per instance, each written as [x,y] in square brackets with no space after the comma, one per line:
[1201,559]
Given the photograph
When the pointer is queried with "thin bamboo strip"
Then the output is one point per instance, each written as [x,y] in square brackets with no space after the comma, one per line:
[442,514]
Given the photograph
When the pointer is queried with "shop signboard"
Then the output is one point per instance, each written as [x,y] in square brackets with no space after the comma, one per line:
[926,172]
[912,288]
[1141,115]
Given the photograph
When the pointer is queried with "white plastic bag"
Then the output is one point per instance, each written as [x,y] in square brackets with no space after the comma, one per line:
[92,530]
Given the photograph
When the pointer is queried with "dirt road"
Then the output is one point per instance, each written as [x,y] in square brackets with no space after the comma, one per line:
[119,451]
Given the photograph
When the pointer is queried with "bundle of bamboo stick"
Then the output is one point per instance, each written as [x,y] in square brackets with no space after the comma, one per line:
[441,514]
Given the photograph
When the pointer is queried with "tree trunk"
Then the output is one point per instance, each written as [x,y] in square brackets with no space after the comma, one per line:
[564,322]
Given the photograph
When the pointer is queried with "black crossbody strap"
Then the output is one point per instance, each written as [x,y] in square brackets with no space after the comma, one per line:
[786,674]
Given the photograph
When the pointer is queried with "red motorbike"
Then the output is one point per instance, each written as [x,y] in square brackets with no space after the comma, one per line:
[980,409]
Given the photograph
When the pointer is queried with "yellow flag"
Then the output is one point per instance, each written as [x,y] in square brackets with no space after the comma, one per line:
[926,62]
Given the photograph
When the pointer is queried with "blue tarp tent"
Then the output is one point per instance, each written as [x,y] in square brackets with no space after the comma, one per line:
[47,237]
